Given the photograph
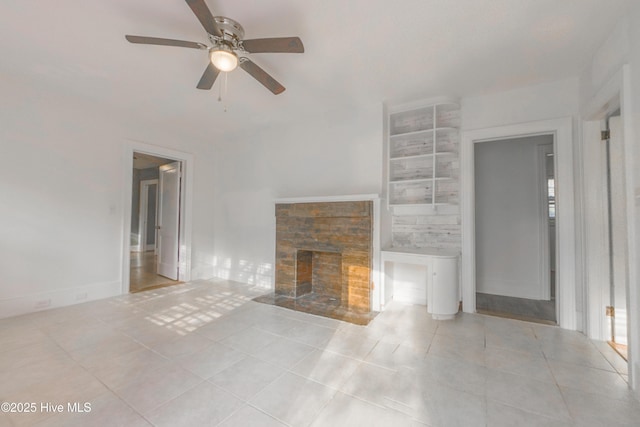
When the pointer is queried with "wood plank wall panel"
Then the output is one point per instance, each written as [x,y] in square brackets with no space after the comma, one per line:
[427,231]
[339,235]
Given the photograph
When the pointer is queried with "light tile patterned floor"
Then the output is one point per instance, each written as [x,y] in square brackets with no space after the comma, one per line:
[203,353]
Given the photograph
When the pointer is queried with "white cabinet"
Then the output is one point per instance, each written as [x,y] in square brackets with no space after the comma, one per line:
[423,156]
[439,288]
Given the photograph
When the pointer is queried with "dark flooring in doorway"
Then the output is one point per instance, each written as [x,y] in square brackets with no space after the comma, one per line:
[517,308]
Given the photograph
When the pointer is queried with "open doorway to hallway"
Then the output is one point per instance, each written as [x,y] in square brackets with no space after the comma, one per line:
[515,228]
[155,202]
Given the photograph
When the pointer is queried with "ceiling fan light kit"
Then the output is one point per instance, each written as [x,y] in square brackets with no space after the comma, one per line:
[227,41]
[223,58]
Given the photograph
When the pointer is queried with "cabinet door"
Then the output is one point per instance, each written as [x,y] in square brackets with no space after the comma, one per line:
[443,296]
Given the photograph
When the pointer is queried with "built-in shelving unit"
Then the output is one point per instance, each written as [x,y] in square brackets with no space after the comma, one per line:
[423,156]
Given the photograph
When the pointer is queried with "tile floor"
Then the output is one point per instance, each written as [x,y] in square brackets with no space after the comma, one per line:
[203,353]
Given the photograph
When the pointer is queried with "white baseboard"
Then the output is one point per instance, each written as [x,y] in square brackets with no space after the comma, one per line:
[25,304]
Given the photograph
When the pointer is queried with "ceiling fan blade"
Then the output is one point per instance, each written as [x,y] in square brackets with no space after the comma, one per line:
[208,77]
[274,45]
[202,12]
[260,75]
[164,42]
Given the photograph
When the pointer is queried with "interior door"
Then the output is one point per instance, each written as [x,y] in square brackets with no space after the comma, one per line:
[618,231]
[169,220]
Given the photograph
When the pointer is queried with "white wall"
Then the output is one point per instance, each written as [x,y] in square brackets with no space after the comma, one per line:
[62,189]
[338,153]
[623,47]
[540,102]
[509,240]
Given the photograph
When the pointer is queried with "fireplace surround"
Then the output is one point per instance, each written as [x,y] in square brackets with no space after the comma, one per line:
[324,259]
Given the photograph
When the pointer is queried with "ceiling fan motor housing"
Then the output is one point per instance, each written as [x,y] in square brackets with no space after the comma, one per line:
[231,32]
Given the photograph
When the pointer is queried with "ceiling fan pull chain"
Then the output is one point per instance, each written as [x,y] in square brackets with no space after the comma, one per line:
[223,90]
[226,76]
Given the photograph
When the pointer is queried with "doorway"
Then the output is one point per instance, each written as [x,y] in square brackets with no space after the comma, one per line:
[565,272]
[515,228]
[155,204]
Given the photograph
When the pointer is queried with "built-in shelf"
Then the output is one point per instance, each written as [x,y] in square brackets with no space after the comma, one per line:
[437,178]
[423,164]
[401,181]
[442,153]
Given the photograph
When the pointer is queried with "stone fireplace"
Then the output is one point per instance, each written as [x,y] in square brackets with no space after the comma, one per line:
[324,258]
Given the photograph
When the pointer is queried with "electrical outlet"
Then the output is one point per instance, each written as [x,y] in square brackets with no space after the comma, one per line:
[81,296]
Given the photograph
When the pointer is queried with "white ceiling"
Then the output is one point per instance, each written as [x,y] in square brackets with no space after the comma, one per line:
[357,52]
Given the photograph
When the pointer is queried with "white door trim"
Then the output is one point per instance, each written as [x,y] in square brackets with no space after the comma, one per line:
[142,219]
[562,130]
[615,93]
[186,204]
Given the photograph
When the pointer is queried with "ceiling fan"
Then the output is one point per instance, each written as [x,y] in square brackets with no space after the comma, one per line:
[228,46]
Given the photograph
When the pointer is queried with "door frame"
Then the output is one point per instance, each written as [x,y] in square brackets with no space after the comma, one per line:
[543,190]
[615,93]
[186,204]
[144,198]
[562,132]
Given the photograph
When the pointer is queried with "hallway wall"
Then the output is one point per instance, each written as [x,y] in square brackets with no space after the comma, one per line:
[509,240]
